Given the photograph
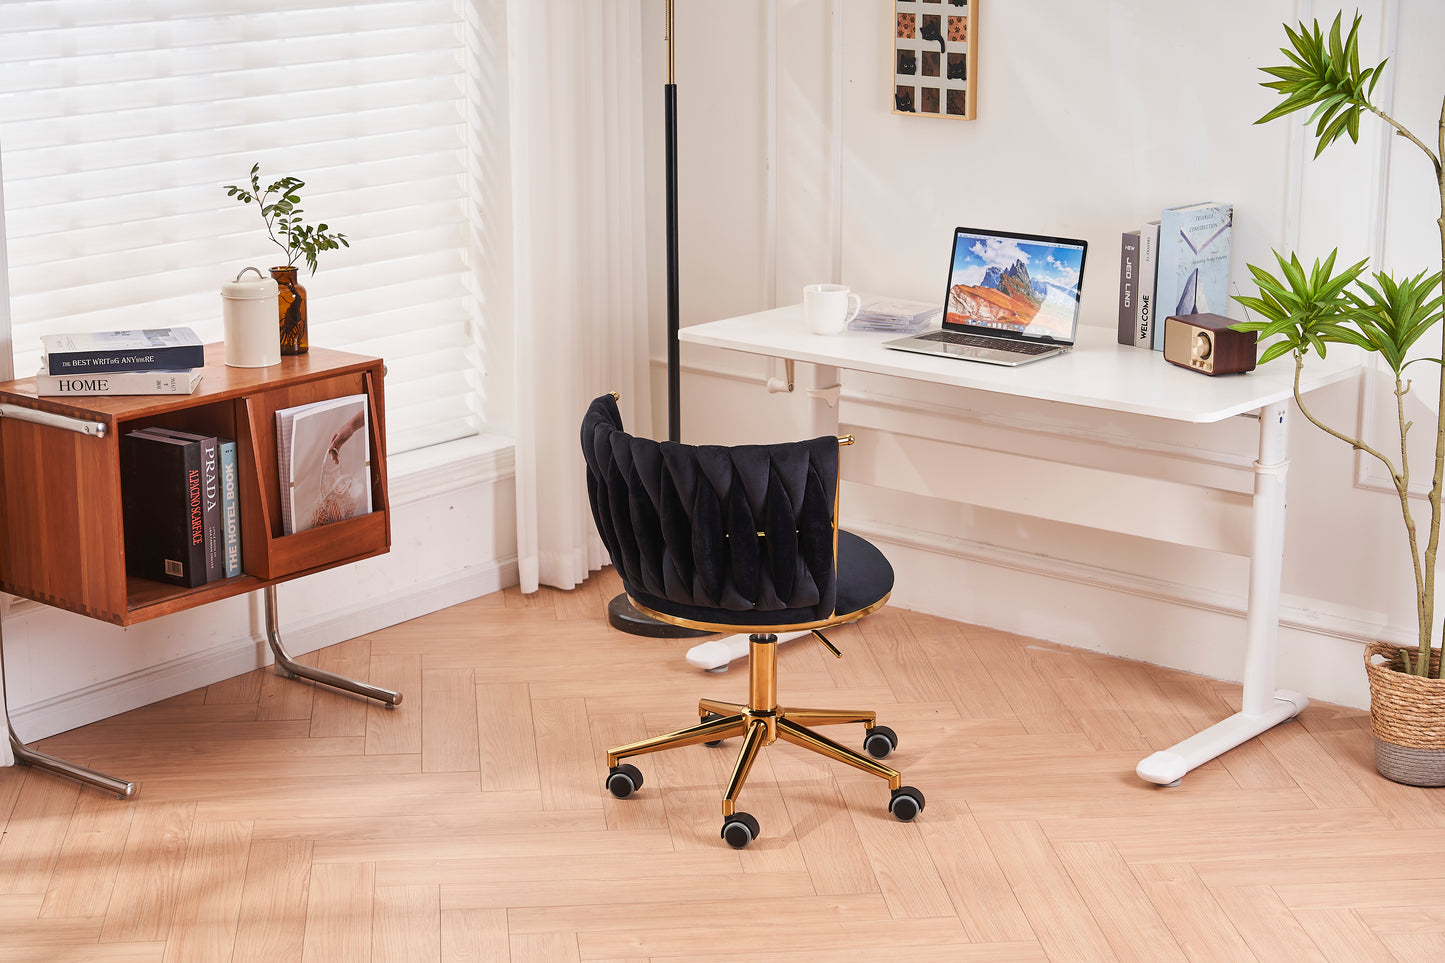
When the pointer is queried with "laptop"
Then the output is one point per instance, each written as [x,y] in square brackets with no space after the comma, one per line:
[1011,298]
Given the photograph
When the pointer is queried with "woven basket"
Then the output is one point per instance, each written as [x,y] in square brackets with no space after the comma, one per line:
[1407,717]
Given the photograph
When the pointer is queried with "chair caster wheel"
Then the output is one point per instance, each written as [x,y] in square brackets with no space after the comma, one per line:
[623,780]
[880,741]
[739,829]
[709,718]
[906,803]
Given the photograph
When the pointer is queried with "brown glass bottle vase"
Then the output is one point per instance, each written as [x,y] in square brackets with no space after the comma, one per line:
[291,303]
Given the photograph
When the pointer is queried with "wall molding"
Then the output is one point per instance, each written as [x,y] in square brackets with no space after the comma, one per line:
[1295,613]
[191,671]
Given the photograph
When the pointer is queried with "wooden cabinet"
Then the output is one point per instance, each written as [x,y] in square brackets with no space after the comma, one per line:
[63,540]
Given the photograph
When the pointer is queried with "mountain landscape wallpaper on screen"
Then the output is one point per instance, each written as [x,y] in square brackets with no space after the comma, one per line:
[991,284]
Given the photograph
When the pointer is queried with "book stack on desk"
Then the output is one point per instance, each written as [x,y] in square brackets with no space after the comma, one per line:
[156,361]
[895,315]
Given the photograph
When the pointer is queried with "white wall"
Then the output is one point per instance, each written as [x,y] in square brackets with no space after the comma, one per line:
[1091,117]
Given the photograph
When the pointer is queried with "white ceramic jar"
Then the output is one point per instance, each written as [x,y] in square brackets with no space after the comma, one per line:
[252,321]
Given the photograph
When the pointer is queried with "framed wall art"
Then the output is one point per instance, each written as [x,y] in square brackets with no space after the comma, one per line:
[935,66]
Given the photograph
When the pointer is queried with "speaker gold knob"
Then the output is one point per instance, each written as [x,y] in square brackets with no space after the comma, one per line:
[1203,345]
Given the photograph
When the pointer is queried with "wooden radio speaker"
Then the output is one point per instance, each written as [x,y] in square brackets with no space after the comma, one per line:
[1206,343]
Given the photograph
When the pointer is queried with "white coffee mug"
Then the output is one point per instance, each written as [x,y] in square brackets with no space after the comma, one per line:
[829,307]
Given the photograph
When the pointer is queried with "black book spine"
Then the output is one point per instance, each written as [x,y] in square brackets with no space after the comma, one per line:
[163,510]
[1129,288]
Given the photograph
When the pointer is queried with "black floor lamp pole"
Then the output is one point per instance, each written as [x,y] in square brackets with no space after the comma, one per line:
[621,613]
[674,358]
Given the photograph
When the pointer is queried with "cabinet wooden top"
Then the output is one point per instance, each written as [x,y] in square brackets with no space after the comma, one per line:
[219,383]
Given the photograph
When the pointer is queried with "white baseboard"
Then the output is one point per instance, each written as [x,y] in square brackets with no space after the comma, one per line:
[1327,642]
[84,706]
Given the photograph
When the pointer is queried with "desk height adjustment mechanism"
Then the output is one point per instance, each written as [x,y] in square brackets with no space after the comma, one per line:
[785,383]
[828,396]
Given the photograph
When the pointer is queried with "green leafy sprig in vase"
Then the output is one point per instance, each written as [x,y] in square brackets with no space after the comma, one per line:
[280,204]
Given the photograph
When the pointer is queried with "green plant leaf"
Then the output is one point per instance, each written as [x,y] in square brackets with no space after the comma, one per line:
[1274,351]
[281,212]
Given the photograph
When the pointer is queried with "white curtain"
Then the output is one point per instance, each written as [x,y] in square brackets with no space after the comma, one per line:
[580,273]
[7,756]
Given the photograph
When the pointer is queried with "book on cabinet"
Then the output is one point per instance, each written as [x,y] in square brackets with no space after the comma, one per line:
[156,382]
[63,543]
[114,351]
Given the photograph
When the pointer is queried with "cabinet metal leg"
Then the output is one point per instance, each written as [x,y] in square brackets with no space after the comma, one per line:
[42,760]
[290,665]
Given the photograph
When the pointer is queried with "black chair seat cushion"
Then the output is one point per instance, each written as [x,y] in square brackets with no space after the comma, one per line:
[864,579]
[739,535]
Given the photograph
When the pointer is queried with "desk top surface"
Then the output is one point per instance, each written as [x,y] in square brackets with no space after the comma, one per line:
[1098,373]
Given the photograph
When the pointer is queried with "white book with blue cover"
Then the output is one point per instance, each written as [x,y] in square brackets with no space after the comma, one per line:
[143,350]
[1193,262]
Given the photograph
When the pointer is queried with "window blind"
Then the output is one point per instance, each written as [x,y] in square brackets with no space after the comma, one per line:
[121,122]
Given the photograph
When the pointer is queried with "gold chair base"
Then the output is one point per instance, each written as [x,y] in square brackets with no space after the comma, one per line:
[761,723]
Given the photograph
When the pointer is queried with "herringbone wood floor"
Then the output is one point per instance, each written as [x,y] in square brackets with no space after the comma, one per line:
[279,821]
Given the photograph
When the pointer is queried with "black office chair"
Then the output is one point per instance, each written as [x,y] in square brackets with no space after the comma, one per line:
[738,539]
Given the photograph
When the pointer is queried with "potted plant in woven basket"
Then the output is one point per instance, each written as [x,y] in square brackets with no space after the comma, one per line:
[1306,310]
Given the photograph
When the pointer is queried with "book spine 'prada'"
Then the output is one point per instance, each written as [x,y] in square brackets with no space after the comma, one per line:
[211,506]
[1128,287]
[230,510]
[169,357]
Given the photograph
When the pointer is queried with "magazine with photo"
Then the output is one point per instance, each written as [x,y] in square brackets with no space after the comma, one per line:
[324,461]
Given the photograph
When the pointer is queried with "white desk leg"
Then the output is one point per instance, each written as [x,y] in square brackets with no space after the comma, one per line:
[1263,706]
[715,655]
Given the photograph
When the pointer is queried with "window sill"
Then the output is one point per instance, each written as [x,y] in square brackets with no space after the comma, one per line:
[480,459]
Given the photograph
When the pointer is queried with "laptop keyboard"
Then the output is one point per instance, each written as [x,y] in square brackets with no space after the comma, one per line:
[974,341]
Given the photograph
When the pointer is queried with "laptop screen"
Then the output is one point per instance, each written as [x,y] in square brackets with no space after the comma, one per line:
[1020,285]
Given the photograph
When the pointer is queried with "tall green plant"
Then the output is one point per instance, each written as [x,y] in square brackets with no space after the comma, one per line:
[1308,311]
[280,204]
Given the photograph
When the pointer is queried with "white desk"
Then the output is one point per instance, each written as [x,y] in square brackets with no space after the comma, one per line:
[1103,375]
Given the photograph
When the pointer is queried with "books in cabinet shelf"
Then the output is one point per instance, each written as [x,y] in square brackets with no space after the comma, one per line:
[140,350]
[162,508]
[323,455]
[1193,274]
[181,381]
[1129,287]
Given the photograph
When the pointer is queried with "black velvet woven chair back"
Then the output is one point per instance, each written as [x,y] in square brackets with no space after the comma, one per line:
[739,535]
